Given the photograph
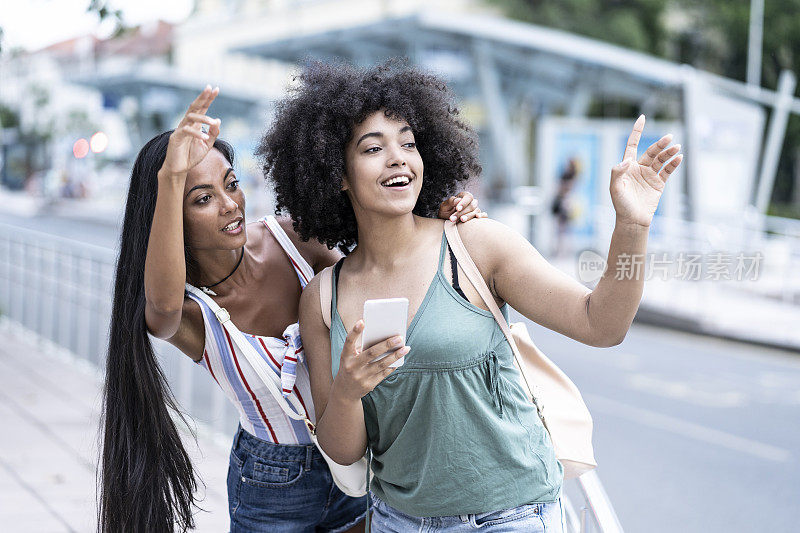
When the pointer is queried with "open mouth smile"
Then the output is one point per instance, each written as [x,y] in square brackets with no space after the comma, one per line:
[234,226]
[397,181]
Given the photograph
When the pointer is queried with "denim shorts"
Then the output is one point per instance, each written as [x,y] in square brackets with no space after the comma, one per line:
[531,518]
[286,488]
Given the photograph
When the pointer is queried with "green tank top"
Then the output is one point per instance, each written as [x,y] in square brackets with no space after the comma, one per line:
[451,431]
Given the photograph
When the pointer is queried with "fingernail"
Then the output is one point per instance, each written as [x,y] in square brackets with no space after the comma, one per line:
[405,349]
[678,146]
[458,207]
[453,218]
[397,341]
[464,218]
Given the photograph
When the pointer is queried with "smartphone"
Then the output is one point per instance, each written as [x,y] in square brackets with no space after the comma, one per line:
[383,319]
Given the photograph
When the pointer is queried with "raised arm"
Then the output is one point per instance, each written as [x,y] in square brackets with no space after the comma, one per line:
[165,266]
[518,274]
[337,402]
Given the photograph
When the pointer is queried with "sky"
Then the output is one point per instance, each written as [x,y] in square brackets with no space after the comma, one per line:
[34,24]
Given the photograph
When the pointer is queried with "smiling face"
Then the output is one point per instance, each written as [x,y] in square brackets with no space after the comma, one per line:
[213,206]
[383,167]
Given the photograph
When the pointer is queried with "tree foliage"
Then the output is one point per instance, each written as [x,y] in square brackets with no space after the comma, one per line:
[708,34]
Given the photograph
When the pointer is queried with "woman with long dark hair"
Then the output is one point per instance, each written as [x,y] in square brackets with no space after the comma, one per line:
[456,444]
[184,223]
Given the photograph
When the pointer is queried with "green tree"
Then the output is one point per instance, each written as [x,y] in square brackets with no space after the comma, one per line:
[632,24]
[105,12]
[720,29]
[708,34]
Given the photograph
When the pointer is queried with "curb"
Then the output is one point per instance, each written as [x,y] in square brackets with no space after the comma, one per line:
[654,317]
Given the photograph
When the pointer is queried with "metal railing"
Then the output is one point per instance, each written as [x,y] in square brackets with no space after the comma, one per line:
[60,291]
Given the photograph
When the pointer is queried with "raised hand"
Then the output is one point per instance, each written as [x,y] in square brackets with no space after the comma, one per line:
[359,373]
[636,185]
[460,208]
[188,145]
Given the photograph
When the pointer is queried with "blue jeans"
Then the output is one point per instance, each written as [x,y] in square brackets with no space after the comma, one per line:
[286,488]
[532,518]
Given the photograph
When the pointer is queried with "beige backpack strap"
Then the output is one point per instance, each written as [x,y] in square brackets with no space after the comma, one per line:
[474,276]
[325,289]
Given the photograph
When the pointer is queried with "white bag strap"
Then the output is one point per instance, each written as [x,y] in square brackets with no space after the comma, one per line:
[259,365]
[289,247]
[325,290]
[475,277]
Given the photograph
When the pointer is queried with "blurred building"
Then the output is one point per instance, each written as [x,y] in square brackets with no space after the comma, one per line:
[128,87]
[526,89]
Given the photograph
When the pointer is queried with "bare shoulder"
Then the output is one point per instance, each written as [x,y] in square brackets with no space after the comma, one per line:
[311,292]
[310,309]
[493,245]
[483,230]
[484,236]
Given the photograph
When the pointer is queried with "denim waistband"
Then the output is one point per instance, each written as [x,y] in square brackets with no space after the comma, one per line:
[302,453]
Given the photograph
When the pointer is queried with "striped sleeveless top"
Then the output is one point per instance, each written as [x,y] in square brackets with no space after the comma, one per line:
[259,414]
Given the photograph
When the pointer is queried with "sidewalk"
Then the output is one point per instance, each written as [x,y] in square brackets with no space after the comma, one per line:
[721,311]
[99,211]
[49,405]
[715,309]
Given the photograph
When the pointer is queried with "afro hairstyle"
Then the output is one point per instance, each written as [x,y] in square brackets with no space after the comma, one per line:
[303,153]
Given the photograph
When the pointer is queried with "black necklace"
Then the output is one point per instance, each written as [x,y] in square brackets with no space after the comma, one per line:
[207,288]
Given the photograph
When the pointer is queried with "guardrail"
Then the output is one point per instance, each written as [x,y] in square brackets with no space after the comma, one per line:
[59,290]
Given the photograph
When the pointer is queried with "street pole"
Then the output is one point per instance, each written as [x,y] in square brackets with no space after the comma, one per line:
[754,43]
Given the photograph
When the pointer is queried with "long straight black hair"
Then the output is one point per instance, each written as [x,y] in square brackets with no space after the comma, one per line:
[147,482]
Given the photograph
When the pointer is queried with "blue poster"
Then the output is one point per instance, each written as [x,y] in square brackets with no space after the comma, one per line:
[576,165]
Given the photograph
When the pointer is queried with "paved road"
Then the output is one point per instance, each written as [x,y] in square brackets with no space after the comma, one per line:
[99,233]
[692,434]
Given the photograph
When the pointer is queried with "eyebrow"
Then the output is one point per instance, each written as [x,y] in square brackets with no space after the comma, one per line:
[206,185]
[379,134]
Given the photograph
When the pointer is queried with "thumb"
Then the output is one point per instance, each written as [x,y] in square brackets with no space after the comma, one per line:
[621,167]
[358,329]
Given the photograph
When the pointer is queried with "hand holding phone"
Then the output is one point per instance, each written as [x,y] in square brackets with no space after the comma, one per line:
[383,319]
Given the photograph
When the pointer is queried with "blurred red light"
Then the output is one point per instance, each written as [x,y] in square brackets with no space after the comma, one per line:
[80,148]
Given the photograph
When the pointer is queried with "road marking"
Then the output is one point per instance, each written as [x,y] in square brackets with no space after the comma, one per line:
[700,391]
[688,429]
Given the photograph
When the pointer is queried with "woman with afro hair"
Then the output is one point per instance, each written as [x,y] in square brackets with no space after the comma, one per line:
[358,158]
